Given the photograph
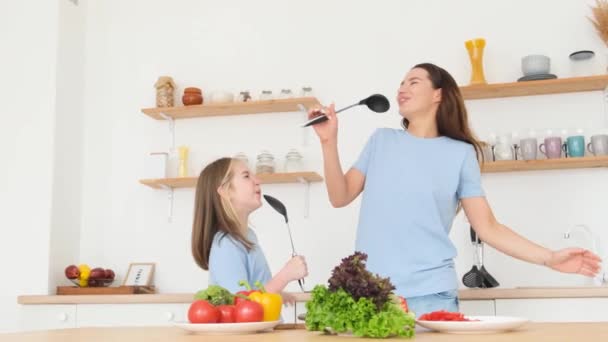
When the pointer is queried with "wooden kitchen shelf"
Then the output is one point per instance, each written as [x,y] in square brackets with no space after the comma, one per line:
[543,87]
[273,178]
[235,108]
[544,164]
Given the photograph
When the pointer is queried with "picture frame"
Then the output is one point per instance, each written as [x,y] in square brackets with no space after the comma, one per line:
[139,274]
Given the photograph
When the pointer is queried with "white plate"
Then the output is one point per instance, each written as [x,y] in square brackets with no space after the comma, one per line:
[484,325]
[227,328]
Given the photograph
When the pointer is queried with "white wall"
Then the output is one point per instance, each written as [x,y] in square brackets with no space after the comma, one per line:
[344,49]
[28,31]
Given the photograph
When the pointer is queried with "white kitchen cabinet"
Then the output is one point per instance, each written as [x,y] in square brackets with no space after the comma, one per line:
[478,307]
[555,309]
[46,317]
[100,315]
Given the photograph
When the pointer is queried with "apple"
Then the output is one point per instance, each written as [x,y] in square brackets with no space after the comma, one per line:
[72,272]
[109,274]
[97,273]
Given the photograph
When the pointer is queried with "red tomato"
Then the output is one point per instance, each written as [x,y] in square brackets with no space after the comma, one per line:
[248,311]
[202,312]
[227,313]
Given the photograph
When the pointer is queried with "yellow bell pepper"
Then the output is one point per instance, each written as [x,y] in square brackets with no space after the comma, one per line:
[271,302]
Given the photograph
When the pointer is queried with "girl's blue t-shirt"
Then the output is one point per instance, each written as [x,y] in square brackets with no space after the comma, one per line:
[411,193]
[229,262]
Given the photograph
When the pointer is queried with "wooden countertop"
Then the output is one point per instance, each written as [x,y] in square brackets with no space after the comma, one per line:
[554,332]
[477,294]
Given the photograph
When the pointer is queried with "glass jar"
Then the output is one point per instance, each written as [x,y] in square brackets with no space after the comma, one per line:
[293,161]
[285,94]
[266,95]
[265,163]
[306,92]
[242,157]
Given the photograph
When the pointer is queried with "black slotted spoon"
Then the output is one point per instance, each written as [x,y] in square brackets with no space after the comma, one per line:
[473,278]
[280,208]
[487,280]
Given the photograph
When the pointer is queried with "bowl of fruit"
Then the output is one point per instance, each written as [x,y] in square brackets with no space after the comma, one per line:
[83,276]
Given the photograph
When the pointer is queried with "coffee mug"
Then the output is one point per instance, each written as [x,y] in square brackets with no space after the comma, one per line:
[552,147]
[598,145]
[527,148]
[575,146]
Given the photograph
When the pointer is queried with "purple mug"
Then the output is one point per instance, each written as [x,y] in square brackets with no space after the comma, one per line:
[552,147]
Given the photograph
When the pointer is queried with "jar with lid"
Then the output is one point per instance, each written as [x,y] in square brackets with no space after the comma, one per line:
[242,157]
[306,92]
[285,94]
[265,163]
[293,161]
[266,95]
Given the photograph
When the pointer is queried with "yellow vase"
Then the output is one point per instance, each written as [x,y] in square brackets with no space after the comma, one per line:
[182,170]
[475,49]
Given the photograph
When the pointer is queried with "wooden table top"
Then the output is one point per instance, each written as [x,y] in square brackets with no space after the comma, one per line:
[567,332]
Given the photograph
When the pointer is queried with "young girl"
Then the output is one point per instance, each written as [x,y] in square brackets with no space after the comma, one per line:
[222,242]
[413,180]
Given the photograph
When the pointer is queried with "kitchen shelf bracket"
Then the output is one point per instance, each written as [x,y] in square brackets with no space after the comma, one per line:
[171,130]
[306,196]
[170,198]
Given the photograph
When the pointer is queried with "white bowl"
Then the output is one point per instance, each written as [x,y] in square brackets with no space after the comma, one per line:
[535,65]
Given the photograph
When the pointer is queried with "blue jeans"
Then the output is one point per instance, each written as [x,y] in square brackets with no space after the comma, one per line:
[447,300]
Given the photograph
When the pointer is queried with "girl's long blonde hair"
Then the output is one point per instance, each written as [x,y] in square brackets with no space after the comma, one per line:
[213,213]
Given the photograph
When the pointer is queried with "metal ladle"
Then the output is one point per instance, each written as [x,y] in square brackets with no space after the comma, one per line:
[377,103]
[280,208]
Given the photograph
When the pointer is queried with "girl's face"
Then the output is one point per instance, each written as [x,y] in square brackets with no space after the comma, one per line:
[244,193]
[416,95]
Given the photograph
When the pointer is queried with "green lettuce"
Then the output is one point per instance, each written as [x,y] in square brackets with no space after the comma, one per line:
[215,295]
[338,312]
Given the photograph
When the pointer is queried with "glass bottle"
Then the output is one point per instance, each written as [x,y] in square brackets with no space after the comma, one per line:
[265,163]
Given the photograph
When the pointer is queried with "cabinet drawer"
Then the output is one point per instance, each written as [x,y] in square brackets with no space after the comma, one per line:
[95,315]
[477,307]
[47,317]
[555,309]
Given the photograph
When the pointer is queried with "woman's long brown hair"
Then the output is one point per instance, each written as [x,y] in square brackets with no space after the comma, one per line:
[214,214]
[452,117]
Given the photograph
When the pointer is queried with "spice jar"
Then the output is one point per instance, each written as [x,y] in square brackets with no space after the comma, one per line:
[164,91]
[266,95]
[192,96]
[285,94]
[306,92]
[265,163]
[293,161]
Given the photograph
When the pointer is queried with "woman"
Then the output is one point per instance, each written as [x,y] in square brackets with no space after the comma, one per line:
[413,182]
